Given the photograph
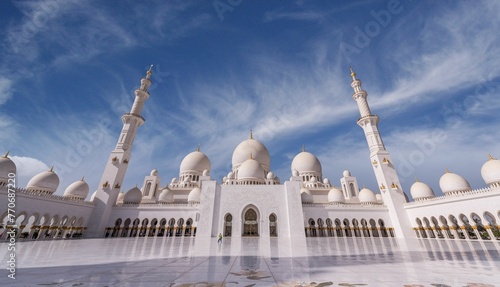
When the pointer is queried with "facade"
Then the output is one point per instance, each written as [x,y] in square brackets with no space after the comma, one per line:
[251,200]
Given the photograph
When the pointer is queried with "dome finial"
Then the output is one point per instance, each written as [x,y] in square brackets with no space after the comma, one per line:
[251,156]
[7,154]
[303,148]
[198,149]
[149,72]
[490,157]
[251,134]
[416,179]
[447,171]
[51,169]
[83,178]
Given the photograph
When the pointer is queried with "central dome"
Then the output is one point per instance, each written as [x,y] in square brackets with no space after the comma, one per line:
[254,148]
[306,162]
[195,161]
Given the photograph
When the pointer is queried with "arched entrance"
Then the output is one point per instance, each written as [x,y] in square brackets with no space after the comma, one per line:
[250,222]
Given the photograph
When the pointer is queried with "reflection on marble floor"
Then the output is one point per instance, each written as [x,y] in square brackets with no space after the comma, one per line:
[176,262]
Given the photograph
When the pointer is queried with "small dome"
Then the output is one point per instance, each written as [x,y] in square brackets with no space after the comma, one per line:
[305,195]
[187,179]
[346,173]
[295,172]
[154,172]
[490,171]
[313,179]
[451,182]
[230,175]
[335,195]
[174,180]
[306,162]
[6,166]
[326,181]
[79,189]
[378,196]
[255,148]
[420,190]
[133,196]
[195,161]
[270,175]
[366,196]
[194,195]
[166,196]
[250,169]
[47,181]
[120,198]
[206,172]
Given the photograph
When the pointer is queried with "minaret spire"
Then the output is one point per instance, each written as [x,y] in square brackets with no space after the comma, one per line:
[116,166]
[382,164]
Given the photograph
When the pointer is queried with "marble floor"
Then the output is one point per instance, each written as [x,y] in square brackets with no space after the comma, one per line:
[255,262]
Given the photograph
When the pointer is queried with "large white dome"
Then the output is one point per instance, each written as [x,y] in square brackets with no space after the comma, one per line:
[46,181]
[194,195]
[306,162]
[251,147]
[250,169]
[420,190]
[366,196]
[195,161]
[490,171]
[134,195]
[6,166]
[79,189]
[451,182]
[335,195]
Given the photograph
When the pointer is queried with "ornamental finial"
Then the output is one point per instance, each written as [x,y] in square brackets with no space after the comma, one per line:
[416,179]
[303,148]
[7,154]
[490,157]
[251,134]
[149,72]
[198,149]
[353,75]
[447,171]
[83,178]
[51,169]
[251,156]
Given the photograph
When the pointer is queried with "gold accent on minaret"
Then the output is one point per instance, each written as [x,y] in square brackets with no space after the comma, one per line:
[382,187]
[353,75]
[251,134]
[7,154]
[149,72]
[375,162]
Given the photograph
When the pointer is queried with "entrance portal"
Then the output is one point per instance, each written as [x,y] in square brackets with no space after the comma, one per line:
[251,225]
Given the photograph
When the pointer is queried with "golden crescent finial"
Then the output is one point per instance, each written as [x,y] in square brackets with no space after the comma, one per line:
[149,72]
[447,171]
[352,72]
[251,156]
[416,179]
[251,134]
[490,157]
[83,178]
[52,169]
[198,149]
[303,148]
[7,154]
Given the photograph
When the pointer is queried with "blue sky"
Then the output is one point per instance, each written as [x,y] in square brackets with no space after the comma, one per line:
[68,70]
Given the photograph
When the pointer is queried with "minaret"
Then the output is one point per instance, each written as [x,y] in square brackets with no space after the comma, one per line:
[383,166]
[116,167]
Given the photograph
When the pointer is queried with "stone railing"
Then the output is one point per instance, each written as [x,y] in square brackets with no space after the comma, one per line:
[451,195]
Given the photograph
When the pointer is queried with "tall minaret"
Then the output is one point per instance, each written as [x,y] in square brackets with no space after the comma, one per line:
[383,166]
[112,178]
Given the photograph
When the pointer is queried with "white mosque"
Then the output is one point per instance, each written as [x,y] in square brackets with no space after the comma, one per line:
[250,201]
